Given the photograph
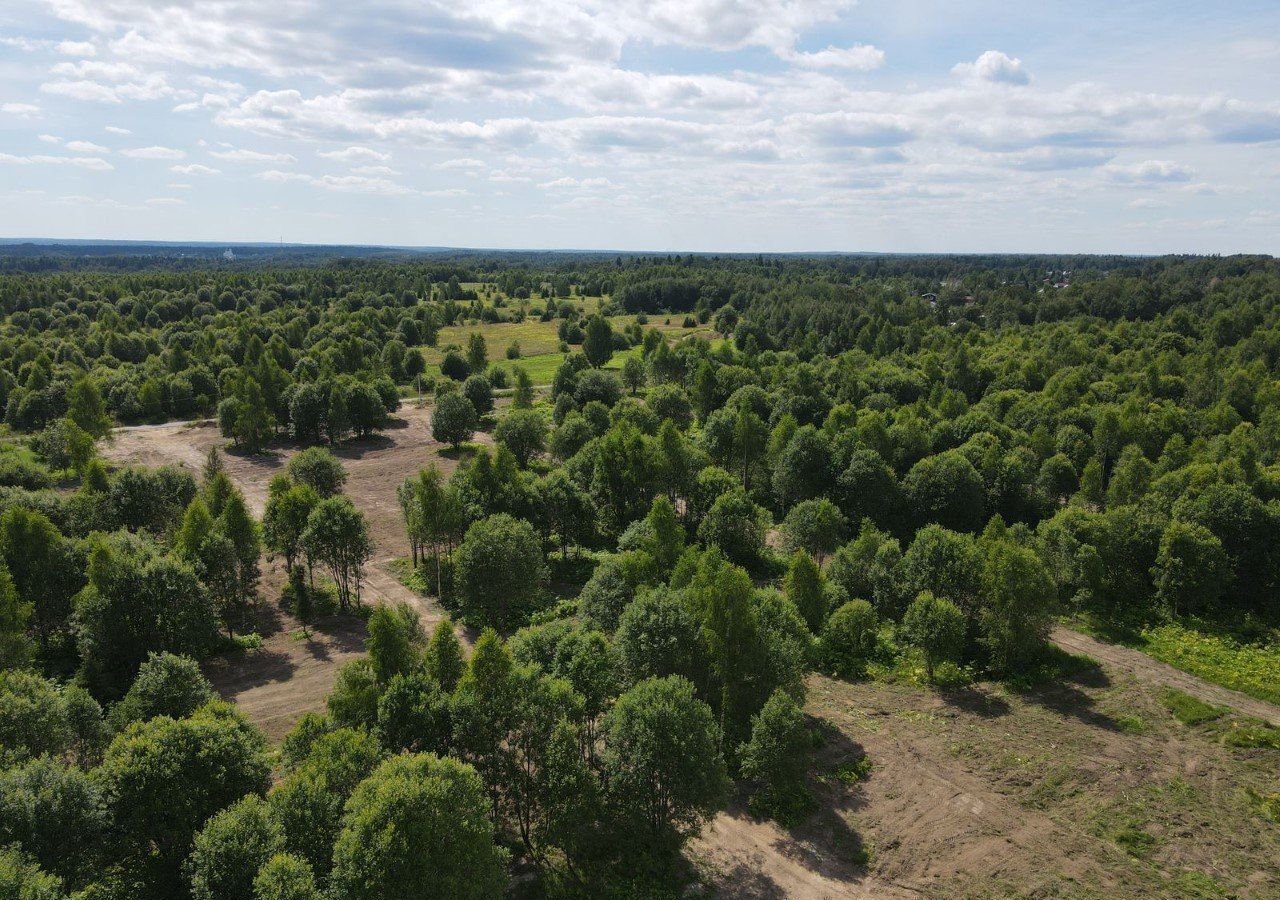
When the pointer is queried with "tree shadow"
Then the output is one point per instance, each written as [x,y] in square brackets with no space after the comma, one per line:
[355,448]
[1059,686]
[974,700]
[237,671]
[343,634]
[745,881]
[271,457]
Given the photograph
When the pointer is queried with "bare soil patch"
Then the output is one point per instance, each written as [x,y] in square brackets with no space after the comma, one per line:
[290,674]
[1088,788]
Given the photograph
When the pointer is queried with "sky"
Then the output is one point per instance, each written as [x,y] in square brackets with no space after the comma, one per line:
[679,125]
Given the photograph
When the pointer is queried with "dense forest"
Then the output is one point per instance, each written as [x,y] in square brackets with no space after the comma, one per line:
[848,464]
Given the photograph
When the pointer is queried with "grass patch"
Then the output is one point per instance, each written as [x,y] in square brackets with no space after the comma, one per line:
[1249,669]
[1131,724]
[1242,655]
[1252,736]
[1267,805]
[409,575]
[1131,836]
[850,773]
[1188,710]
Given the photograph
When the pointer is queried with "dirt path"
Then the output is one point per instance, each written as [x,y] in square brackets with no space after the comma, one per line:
[292,674]
[1152,671]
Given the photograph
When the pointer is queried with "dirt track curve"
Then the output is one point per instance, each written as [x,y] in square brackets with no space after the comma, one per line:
[1152,671]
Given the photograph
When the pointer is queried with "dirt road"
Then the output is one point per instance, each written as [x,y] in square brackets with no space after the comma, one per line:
[1153,672]
[292,674]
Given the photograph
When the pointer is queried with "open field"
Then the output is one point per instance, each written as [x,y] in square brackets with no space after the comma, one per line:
[1083,789]
[539,342]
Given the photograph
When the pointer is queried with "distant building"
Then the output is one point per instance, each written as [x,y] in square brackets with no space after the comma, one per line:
[228,255]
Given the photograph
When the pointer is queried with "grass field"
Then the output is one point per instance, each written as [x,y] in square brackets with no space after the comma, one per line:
[1252,670]
[539,343]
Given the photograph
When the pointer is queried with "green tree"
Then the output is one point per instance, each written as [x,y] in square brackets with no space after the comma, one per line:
[1192,570]
[285,518]
[803,470]
[662,768]
[947,490]
[162,779]
[319,470]
[736,526]
[477,353]
[522,396]
[806,588]
[633,373]
[443,659]
[777,757]
[453,420]
[658,636]
[15,648]
[54,811]
[849,638]
[230,849]
[418,827]
[1017,606]
[479,390]
[337,537]
[524,432]
[394,641]
[137,602]
[166,685]
[815,526]
[597,346]
[308,804]
[45,568]
[22,879]
[936,626]
[86,408]
[413,715]
[285,877]
[500,572]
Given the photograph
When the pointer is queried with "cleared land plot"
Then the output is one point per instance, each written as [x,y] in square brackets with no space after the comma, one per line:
[291,675]
[1088,788]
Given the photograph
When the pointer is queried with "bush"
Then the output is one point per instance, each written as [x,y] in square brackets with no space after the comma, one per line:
[849,639]
[776,758]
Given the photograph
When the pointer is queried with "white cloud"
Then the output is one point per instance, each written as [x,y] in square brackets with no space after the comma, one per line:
[354,154]
[116,129]
[165,201]
[576,183]
[241,155]
[77,48]
[23,110]
[155,152]
[194,169]
[1151,171]
[50,138]
[351,184]
[858,58]
[85,147]
[374,170]
[80,162]
[462,162]
[996,67]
